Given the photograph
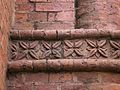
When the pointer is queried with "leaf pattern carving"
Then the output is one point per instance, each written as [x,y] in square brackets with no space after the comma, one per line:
[29,50]
[51,50]
[14,51]
[97,48]
[116,46]
[46,45]
[66,49]
[72,48]
[69,44]
[24,45]
[33,44]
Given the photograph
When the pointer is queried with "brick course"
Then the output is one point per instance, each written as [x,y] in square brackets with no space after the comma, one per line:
[63,81]
[44,14]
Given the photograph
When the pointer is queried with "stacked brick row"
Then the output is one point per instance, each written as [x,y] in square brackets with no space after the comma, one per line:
[64,81]
[44,14]
[5,22]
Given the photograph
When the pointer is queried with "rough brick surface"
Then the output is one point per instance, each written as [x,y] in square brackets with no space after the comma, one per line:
[44,14]
[63,81]
[5,22]
[102,14]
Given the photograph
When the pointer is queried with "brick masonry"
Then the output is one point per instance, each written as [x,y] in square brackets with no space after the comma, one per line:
[64,81]
[60,14]
[98,14]
[44,14]
[5,22]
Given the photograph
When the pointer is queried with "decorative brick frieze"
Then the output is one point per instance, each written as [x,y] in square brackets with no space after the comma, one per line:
[83,48]
[60,44]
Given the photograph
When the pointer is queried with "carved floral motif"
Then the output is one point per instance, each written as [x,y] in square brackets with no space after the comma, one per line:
[72,48]
[51,50]
[14,51]
[66,49]
[116,47]
[96,48]
[28,50]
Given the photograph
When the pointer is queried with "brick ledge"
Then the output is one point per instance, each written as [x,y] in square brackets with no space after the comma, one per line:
[58,65]
[63,34]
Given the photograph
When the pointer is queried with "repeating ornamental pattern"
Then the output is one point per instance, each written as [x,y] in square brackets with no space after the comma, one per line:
[51,50]
[26,50]
[77,48]
[116,49]
[73,49]
[96,48]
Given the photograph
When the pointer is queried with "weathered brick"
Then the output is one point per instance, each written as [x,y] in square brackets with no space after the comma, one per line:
[14,79]
[37,16]
[103,87]
[23,26]
[5,22]
[84,77]
[55,25]
[67,16]
[21,17]
[73,87]
[95,14]
[22,87]
[46,87]
[54,7]
[26,7]
[60,77]
[21,1]
[110,77]
[65,1]
[38,0]
[36,77]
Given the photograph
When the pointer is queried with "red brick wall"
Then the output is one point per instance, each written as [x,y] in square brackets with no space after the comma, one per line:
[56,14]
[44,14]
[5,22]
[98,14]
[64,81]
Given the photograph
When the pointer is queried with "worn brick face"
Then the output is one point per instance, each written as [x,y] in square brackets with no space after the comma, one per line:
[48,12]
[5,22]
[99,14]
